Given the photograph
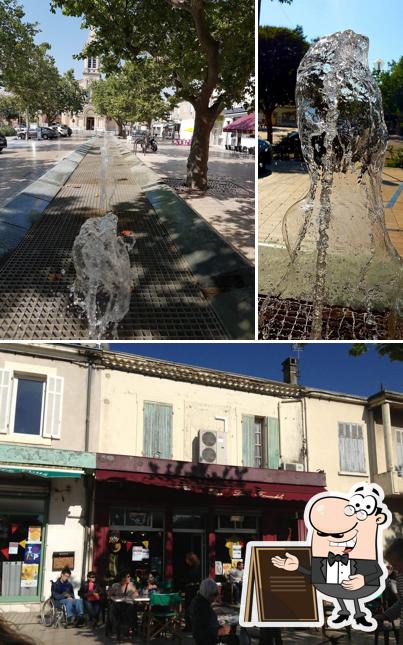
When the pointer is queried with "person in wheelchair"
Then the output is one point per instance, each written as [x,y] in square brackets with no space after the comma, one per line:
[122,606]
[63,594]
[91,593]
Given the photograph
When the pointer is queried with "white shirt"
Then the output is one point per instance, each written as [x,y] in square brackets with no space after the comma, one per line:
[338,572]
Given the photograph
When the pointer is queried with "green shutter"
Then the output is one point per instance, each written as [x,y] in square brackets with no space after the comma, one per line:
[248,440]
[273,443]
[157,440]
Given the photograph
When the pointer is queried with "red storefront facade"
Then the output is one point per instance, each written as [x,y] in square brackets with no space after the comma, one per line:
[157,510]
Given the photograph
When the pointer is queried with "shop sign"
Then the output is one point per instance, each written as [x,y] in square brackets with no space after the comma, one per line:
[61,559]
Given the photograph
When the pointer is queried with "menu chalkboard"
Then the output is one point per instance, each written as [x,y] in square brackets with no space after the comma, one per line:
[61,559]
[277,596]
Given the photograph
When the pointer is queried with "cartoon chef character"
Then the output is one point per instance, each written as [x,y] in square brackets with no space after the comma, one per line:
[345,532]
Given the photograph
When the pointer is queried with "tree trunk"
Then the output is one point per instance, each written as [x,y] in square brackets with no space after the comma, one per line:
[197,164]
[269,124]
[27,124]
[120,126]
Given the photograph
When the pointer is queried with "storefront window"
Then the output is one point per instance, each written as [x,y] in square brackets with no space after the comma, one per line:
[188,521]
[128,517]
[236,521]
[21,548]
[141,552]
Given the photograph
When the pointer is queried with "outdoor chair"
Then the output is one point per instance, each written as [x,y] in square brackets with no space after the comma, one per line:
[164,616]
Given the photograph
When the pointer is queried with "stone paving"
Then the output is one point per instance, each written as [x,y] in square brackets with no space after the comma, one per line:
[22,162]
[35,281]
[28,623]
[231,213]
[289,182]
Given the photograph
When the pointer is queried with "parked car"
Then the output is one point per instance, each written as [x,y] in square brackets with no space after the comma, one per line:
[289,145]
[265,158]
[3,142]
[46,133]
[61,129]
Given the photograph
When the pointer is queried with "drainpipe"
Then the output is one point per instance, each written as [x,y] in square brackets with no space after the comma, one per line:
[88,478]
[387,429]
[303,419]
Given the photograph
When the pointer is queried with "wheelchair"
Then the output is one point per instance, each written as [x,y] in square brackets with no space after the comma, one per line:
[53,614]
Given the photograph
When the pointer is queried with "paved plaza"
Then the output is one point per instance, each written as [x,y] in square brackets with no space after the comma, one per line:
[29,624]
[231,213]
[22,162]
[289,182]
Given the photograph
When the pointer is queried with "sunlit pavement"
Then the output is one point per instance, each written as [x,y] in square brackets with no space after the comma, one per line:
[22,162]
[233,216]
[29,624]
[289,182]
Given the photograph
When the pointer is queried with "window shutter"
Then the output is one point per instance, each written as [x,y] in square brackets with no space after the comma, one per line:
[273,443]
[53,407]
[351,448]
[157,440]
[248,440]
[5,398]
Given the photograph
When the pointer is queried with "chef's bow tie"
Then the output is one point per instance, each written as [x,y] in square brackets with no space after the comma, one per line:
[332,558]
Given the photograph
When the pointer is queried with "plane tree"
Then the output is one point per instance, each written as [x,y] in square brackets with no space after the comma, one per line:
[207,46]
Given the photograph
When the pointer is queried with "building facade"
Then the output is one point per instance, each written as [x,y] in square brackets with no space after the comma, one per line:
[110,460]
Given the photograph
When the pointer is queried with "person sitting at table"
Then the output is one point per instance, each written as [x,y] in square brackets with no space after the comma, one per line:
[151,583]
[123,607]
[91,594]
[206,629]
[235,577]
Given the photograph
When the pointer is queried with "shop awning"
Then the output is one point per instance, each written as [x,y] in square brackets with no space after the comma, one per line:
[216,488]
[245,123]
[42,472]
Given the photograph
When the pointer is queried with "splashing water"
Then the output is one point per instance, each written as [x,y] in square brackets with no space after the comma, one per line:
[103,284]
[339,252]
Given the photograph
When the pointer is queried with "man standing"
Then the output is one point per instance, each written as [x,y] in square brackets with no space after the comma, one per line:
[63,593]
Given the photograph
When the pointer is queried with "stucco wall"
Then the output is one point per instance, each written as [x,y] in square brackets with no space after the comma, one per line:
[65,530]
[323,417]
[195,407]
[74,400]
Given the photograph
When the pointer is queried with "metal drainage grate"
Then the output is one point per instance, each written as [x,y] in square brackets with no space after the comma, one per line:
[292,320]
[35,281]
[217,187]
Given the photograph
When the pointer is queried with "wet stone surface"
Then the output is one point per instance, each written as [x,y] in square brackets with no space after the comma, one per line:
[217,187]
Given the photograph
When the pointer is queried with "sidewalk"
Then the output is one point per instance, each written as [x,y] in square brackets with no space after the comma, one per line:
[29,624]
[230,208]
[290,182]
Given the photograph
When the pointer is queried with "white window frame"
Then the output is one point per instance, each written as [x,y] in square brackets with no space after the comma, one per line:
[399,431]
[354,473]
[52,403]
[13,408]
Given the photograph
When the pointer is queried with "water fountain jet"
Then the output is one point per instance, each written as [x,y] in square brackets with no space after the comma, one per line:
[337,252]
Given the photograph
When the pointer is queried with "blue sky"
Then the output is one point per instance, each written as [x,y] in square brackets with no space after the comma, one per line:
[380,21]
[323,365]
[62,32]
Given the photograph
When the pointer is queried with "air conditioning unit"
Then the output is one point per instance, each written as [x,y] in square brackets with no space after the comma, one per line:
[291,466]
[212,447]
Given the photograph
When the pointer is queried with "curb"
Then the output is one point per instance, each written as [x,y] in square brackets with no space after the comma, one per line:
[226,278]
[22,211]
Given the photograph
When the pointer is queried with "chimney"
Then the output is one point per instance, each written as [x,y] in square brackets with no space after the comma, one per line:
[290,370]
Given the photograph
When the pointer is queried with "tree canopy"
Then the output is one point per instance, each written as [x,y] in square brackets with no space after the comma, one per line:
[16,42]
[207,48]
[280,53]
[133,94]
[393,350]
[391,83]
